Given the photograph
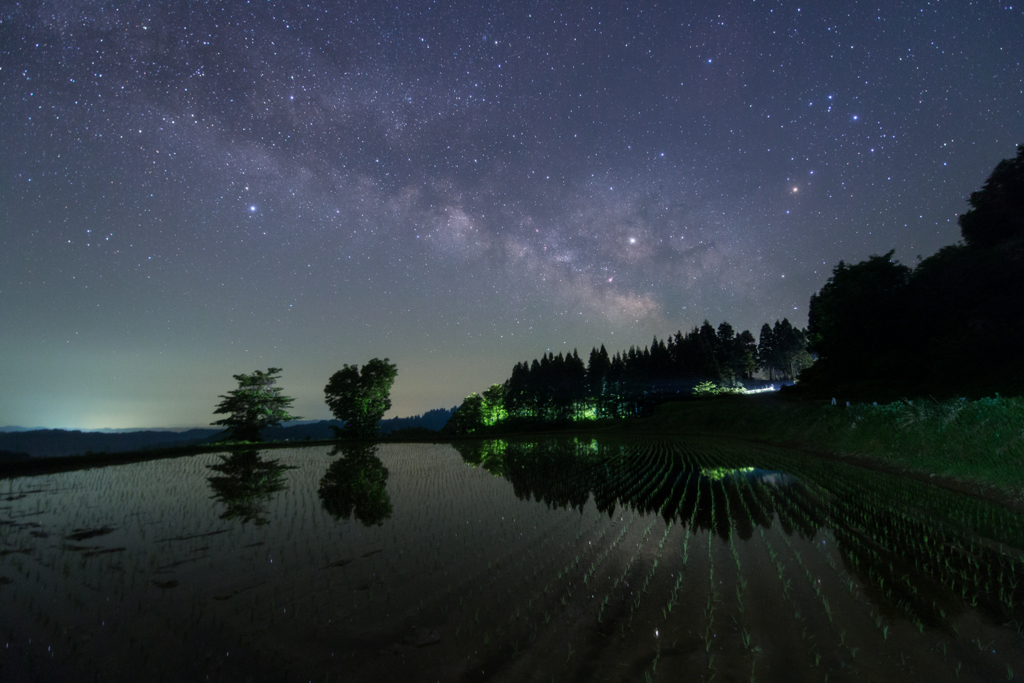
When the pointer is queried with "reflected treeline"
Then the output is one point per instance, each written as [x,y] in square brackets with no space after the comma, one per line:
[356,485]
[246,485]
[912,563]
[566,473]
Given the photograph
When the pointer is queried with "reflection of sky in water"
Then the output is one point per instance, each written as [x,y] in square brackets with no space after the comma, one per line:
[470,568]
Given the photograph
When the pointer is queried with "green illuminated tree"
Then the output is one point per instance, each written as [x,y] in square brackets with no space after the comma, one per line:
[254,405]
[361,397]
[468,417]
[598,368]
[493,410]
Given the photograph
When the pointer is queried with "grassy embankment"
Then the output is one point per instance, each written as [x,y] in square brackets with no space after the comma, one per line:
[974,442]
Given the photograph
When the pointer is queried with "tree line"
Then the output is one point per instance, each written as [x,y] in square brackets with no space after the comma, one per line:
[877,329]
[560,387]
[951,326]
[357,396]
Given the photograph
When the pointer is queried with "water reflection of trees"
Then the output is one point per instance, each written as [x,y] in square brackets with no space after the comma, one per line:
[912,564]
[356,484]
[566,473]
[246,484]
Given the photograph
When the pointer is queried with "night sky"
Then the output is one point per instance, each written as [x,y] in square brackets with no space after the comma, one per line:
[194,190]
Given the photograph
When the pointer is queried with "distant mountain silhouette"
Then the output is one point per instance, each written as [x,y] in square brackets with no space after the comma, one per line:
[48,443]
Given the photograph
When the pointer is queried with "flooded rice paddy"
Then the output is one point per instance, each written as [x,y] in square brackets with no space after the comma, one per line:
[563,560]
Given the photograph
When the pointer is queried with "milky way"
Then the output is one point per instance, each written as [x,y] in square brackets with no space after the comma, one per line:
[194,190]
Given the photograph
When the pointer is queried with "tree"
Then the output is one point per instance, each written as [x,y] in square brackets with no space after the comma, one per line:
[254,405]
[468,417]
[745,354]
[766,350]
[728,356]
[246,484]
[361,397]
[598,367]
[997,209]
[790,354]
[356,484]
[857,322]
[492,409]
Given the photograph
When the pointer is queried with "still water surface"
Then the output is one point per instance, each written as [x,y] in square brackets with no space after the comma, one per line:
[565,560]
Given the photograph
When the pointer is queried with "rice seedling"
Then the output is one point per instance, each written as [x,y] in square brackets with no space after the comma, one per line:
[512,560]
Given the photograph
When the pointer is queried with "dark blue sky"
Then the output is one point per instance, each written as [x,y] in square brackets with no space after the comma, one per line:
[193,190]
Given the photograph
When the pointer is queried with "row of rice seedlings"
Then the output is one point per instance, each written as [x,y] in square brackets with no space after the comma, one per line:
[654,466]
[655,471]
[602,557]
[982,517]
[648,576]
[786,506]
[552,588]
[974,571]
[533,560]
[994,576]
[814,633]
[819,506]
[884,625]
[967,585]
[660,462]
[749,647]
[556,595]
[659,552]
[750,643]
[283,559]
[480,601]
[684,552]
[708,631]
[731,640]
[897,586]
[690,490]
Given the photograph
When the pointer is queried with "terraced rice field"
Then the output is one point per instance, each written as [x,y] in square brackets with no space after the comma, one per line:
[564,560]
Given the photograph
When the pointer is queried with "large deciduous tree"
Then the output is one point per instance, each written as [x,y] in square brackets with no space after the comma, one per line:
[361,397]
[256,403]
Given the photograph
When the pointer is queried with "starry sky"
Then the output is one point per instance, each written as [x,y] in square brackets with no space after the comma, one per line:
[189,191]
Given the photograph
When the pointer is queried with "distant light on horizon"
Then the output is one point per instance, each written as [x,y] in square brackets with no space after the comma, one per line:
[460,205]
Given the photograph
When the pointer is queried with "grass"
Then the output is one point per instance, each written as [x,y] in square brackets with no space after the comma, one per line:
[978,441]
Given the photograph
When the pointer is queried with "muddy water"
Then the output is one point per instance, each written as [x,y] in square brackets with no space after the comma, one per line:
[523,561]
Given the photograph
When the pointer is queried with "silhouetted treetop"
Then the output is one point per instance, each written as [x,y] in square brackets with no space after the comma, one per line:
[997,209]
[950,327]
[856,316]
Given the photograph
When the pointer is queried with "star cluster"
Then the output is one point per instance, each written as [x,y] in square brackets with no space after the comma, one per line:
[193,190]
